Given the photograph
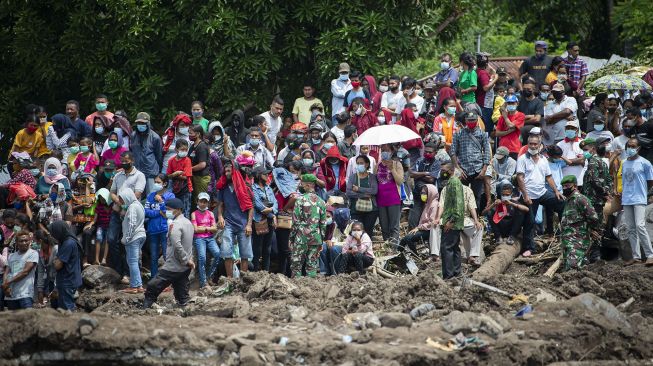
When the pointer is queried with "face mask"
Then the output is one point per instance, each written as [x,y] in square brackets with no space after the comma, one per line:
[74,149]
[599,127]
[428,156]
[117,130]
[511,107]
[316,141]
[182,154]
[217,139]
[557,95]
[641,111]
[472,125]
[383,88]
[357,234]
[113,144]
[533,151]
[424,197]
[53,196]
[416,114]
[612,110]
[99,130]
[156,187]
[444,65]
[567,191]
[329,221]
[355,84]
[31,129]
[202,209]
[307,162]
[451,110]
[170,215]
[544,95]
[344,77]
[197,114]
[300,136]
[361,168]
[386,155]
[45,119]
[126,166]
[570,134]
[527,93]
[562,77]
[109,175]
[183,131]
[35,172]
[409,92]
[254,142]
[587,154]
[101,106]
[141,128]
[124,207]
[631,151]
[359,110]
[328,146]
[51,172]
[84,148]
[505,198]
[381,120]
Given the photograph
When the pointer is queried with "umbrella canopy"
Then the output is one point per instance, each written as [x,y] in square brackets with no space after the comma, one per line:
[620,82]
[386,134]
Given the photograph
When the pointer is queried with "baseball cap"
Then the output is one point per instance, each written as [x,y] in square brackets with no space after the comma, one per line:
[501,70]
[535,131]
[502,152]
[471,116]
[174,203]
[602,140]
[203,196]
[573,124]
[558,87]
[142,117]
[260,169]
[511,98]
[541,44]
[344,67]
[315,126]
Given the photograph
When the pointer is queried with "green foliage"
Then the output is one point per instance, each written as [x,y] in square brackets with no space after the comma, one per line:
[634,19]
[158,56]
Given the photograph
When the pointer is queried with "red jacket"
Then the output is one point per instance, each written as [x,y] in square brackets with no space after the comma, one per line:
[408,120]
[364,122]
[329,174]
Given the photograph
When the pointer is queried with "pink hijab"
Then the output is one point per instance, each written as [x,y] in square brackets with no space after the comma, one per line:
[56,178]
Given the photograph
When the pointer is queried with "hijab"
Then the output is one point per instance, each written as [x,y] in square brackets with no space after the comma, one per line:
[57,165]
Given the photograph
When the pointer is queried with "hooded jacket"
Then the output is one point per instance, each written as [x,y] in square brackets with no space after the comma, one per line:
[133,223]
[156,223]
[169,134]
[408,120]
[237,131]
[430,208]
[219,147]
[69,253]
[329,174]
[148,151]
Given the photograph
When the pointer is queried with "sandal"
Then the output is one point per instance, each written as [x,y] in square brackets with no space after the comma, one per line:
[130,290]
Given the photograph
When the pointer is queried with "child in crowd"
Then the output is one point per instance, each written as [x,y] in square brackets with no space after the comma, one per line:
[157,225]
[205,228]
[180,172]
[87,159]
[84,213]
[101,223]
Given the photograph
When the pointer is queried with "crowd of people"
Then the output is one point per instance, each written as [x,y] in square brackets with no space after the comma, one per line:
[292,193]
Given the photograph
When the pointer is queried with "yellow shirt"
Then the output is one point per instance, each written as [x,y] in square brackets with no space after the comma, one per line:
[302,109]
[496,113]
[551,77]
[33,144]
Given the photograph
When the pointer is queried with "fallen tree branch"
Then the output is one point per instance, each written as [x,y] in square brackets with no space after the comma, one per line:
[497,262]
[535,260]
[554,267]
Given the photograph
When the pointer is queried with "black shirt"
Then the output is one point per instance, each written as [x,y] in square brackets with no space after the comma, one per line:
[531,107]
[536,68]
[198,154]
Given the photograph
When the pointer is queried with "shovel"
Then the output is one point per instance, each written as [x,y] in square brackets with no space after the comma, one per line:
[514,298]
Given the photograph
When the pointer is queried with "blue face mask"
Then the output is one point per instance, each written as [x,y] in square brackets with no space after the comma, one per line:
[35,172]
[53,196]
[157,187]
[316,141]
[197,114]
[117,130]
[183,130]
[51,172]
[101,106]
[328,145]
[141,128]
[254,142]
[170,215]
[83,148]
[570,134]
[307,162]
[329,221]
[361,168]
[643,112]
[99,130]
[599,127]
[631,151]
[511,107]
[386,155]
[344,77]
[544,96]
[587,154]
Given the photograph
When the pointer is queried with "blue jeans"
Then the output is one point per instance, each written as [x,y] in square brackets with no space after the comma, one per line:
[66,299]
[17,304]
[201,244]
[156,242]
[231,236]
[185,199]
[325,267]
[133,249]
[116,249]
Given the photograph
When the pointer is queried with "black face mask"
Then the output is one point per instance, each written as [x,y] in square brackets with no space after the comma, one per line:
[567,191]
[612,110]
[527,93]
[558,95]
[394,88]
[126,166]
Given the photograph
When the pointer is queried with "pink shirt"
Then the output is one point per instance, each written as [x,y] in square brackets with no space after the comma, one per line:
[205,218]
[364,247]
[110,155]
[90,117]
[87,163]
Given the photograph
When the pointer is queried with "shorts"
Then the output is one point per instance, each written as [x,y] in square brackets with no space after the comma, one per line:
[101,235]
[231,236]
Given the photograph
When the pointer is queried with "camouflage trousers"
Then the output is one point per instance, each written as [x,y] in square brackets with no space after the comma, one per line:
[307,255]
[574,250]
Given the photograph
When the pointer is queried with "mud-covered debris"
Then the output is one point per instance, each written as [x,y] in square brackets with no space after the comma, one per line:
[421,310]
[95,276]
[467,322]
[395,320]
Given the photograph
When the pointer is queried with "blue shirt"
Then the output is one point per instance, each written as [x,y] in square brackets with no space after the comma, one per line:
[449,74]
[556,173]
[352,94]
[635,173]
[260,196]
[234,217]
[148,152]
[70,275]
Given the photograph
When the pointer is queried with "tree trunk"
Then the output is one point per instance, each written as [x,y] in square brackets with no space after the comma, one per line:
[497,262]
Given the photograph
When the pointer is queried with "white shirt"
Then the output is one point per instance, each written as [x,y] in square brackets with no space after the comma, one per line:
[340,134]
[418,101]
[572,150]
[274,126]
[262,156]
[397,100]
[556,131]
[338,90]
[619,144]
[534,174]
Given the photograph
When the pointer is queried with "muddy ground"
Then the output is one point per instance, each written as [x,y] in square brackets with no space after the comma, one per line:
[353,320]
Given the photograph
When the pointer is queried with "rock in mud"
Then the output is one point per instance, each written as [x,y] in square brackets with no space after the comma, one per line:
[363,320]
[605,313]
[249,356]
[395,320]
[297,313]
[99,276]
[421,310]
[465,322]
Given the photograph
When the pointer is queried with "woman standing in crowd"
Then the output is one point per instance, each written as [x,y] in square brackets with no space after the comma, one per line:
[362,188]
[390,176]
[52,175]
[265,218]
[197,110]
[199,154]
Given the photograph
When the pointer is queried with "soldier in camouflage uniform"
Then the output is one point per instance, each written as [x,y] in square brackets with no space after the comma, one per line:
[597,185]
[579,223]
[308,230]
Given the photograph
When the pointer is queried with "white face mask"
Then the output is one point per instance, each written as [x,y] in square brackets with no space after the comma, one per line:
[533,151]
[416,114]
[383,88]
[359,110]
[381,120]
[505,198]
[357,234]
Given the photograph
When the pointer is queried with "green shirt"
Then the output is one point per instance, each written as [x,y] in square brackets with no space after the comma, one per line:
[203,122]
[467,80]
